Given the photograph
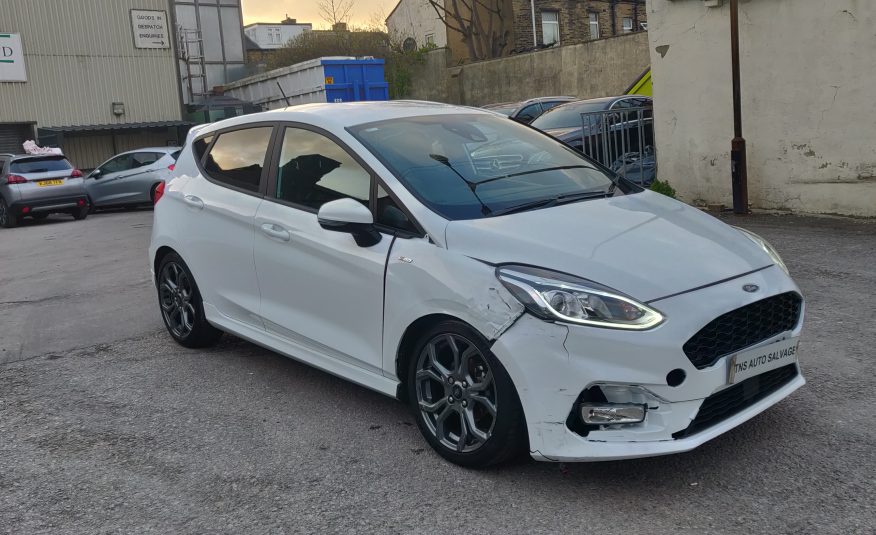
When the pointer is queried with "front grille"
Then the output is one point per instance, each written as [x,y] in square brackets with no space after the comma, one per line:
[718,407]
[743,327]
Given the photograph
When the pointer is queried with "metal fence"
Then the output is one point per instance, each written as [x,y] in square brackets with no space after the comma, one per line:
[623,141]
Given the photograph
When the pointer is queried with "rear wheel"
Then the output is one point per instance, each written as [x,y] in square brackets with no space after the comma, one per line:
[181,306]
[463,399]
[80,213]
[7,218]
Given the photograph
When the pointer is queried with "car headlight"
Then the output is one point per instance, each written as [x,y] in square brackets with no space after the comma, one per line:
[560,297]
[765,245]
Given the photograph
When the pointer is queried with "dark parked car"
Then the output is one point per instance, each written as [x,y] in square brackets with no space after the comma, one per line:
[622,141]
[566,124]
[528,110]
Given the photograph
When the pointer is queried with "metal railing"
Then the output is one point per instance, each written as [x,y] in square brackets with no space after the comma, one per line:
[623,141]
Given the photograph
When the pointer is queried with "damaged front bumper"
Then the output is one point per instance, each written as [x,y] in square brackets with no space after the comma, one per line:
[557,367]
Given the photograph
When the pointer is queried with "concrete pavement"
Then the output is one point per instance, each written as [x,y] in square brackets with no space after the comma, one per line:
[106,425]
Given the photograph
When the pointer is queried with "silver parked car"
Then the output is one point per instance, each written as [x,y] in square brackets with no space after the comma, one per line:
[130,178]
[38,185]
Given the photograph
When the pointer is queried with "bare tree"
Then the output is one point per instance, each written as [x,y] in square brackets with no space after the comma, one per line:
[335,11]
[481,23]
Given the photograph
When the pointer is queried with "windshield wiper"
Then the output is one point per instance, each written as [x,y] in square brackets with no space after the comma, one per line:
[473,186]
[533,171]
[553,201]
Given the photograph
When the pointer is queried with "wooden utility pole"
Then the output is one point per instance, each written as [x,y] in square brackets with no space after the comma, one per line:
[738,161]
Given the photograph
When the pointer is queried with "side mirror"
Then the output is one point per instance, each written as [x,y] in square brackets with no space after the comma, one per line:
[348,215]
[95,174]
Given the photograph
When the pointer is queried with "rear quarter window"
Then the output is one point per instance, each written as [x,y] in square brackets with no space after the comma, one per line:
[39,165]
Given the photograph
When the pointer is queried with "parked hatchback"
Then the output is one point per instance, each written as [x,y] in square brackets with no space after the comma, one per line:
[38,185]
[552,308]
[130,178]
[565,122]
[528,110]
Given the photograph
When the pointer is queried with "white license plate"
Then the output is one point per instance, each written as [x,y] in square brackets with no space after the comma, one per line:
[753,362]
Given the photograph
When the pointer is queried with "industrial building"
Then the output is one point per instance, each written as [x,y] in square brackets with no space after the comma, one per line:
[97,77]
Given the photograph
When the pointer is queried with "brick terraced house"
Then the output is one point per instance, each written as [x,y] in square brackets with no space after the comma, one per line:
[574,21]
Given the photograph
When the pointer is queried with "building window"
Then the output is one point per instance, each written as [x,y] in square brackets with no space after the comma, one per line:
[550,27]
[594,26]
[430,38]
[628,24]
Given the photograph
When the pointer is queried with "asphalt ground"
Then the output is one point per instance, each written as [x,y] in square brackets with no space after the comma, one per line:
[107,426]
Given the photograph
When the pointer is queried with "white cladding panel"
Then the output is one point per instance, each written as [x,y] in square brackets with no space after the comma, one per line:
[80,58]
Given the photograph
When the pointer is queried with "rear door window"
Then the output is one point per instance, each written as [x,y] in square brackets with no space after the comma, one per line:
[40,165]
[142,159]
[237,158]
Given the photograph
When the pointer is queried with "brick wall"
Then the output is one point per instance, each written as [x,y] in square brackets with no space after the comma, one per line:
[574,19]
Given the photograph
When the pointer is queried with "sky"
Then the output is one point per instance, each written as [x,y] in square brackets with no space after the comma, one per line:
[308,11]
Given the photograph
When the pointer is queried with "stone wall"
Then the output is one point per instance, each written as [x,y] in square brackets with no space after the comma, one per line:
[593,69]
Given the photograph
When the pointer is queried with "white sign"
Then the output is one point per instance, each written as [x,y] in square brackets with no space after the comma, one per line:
[150,29]
[11,58]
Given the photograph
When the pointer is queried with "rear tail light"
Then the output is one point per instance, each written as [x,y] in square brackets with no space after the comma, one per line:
[80,202]
[171,167]
[76,174]
[25,210]
[15,179]
[159,192]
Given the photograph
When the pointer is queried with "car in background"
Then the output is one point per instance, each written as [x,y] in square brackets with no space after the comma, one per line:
[528,110]
[130,178]
[38,185]
[565,123]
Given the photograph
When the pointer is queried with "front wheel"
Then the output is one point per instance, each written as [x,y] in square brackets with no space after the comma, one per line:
[181,306]
[463,399]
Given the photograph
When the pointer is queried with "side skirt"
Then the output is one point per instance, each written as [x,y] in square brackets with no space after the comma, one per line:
[350,372]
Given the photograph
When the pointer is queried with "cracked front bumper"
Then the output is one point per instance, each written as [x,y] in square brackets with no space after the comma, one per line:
[551,364]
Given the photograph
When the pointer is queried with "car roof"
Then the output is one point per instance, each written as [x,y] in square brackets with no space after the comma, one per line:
[340,115]
[166,150]
[522,103]
[545,99]
[15,157]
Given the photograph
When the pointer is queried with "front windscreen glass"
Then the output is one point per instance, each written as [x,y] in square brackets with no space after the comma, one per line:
[469,166]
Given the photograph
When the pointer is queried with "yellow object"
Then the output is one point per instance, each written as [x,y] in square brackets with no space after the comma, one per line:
[642,86]
[42,183]
[329,80]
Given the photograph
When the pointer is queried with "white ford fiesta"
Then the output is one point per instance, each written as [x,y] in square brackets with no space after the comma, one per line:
[515,294]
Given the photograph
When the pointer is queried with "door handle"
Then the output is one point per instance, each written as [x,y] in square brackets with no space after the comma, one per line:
[275,231]
[194,202]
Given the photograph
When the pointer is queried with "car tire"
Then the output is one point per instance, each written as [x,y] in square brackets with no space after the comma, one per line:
[7,218]
[181,306]
[80,213]
[486,407]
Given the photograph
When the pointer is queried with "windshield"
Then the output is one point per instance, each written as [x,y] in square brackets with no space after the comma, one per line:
[40,165]
[469,166]
[567,116]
